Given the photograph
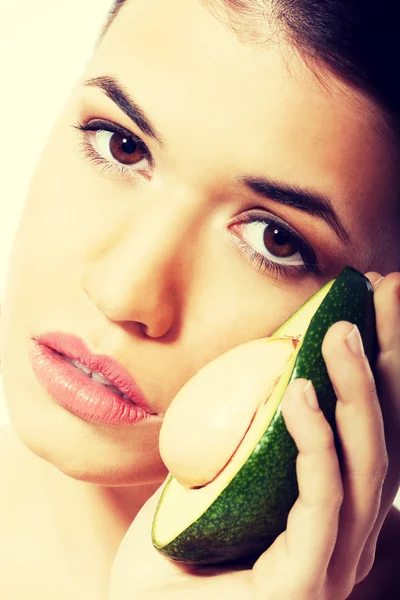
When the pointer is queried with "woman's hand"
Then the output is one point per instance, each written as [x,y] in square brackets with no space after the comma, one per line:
[332,529]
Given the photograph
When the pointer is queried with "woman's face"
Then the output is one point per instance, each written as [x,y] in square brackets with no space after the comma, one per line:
[254,182]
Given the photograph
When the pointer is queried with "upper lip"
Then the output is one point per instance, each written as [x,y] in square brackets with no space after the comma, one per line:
[75,348]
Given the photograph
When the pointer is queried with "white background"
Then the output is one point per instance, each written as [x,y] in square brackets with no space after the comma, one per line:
[44,46]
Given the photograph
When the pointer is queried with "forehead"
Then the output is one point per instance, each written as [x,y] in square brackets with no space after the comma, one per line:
[253,108]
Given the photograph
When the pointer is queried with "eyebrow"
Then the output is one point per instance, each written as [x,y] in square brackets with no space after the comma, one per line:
[115,91]
[305,200]
[294,197]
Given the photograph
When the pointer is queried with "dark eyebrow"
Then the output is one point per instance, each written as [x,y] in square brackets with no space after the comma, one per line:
[311,203]
[114,90]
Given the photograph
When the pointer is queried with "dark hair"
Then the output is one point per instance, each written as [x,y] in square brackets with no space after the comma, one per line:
[357,39]
[112,13]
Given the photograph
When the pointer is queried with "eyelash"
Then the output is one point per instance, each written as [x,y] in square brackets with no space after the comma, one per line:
[262,263]
[90,153]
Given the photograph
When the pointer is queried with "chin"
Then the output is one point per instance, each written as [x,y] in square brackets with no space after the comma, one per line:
[92,453]
[109,475]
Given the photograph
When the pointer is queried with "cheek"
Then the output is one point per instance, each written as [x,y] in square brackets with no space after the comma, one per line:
[223,313]
[243,303]
[64,214]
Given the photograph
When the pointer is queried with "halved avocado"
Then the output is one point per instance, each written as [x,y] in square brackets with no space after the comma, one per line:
[241,512]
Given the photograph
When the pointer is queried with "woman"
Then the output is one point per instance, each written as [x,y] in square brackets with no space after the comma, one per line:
[215,165]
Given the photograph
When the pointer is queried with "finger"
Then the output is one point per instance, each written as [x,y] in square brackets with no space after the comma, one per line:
[375,278]
[387,298]
[313,520]
[363,451]
[387,307]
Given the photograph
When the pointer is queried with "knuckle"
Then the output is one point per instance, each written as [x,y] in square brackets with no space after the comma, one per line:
[373,476]
[328,446]
[379,470]
[326,502]
[326,437]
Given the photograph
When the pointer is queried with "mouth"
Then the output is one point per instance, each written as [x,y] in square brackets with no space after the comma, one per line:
[95,375]
[95,387]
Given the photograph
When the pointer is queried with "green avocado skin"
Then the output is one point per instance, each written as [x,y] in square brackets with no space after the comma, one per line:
[252,510]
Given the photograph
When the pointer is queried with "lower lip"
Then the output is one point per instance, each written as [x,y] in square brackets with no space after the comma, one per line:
[79,394]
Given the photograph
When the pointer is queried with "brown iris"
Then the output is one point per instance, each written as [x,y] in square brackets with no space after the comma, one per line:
[126,150]
[279,242]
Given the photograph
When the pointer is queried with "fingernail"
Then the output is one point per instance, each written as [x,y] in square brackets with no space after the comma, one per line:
[377,282]
[311,396]
[354,342]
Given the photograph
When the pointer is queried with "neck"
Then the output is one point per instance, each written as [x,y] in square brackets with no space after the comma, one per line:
[86,521]
[99,516]
[79,525]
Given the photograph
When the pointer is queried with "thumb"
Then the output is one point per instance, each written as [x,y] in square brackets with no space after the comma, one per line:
[138,566]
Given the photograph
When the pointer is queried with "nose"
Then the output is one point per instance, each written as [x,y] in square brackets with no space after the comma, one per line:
[139,276]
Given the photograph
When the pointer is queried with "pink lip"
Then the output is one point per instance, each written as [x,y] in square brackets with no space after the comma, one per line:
[79,393]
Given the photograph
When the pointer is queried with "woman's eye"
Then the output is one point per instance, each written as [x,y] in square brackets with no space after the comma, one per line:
[273,241]
[273,246]
[122,149]
[115,149]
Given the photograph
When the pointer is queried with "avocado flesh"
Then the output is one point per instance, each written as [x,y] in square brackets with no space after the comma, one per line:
[183,505]
[245,507]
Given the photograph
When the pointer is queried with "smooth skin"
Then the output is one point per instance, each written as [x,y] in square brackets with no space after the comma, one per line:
[330,540]
[155,267]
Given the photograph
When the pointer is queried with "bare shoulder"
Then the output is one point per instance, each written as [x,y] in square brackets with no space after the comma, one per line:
[383,582]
